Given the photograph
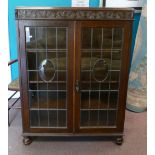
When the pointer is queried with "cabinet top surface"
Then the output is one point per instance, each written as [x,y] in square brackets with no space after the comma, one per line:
[72,8]
[74,13]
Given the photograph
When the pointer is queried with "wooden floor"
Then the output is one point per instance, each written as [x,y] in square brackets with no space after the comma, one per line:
[134,140]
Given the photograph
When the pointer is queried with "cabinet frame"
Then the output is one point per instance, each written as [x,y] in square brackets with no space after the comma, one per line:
[81,17]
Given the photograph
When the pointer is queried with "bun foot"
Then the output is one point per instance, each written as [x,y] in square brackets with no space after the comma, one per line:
[27,140]
[119,140]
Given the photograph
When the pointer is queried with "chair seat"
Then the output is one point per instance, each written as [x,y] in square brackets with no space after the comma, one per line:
[14,85]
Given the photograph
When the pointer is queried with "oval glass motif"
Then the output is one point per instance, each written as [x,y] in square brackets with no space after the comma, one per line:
[100,70]
[46,70]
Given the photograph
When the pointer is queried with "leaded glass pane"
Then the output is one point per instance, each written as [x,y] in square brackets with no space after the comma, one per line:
[101,50]
[47,52]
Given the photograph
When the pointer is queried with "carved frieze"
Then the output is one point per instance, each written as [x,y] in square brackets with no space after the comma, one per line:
[73,14]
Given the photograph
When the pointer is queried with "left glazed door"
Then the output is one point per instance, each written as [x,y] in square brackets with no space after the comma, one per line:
[46,75]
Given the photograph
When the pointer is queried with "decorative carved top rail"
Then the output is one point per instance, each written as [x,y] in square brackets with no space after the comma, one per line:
[74,13]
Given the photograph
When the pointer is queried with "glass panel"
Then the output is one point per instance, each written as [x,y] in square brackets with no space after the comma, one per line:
[42,97]
[94,102]
[86,38]
[32,75]
[34,121]
[85,100]
[55,78]
[52,86]
[112,117]
[93,118]
[85,76]
[52,118]
[41,37]
[102,118]
[53,100]
[31,61]
[104,99]
[107,38]
[114,85]
[61,118]
[115,75]
[41,55]
[33,99]
[61,76]
[116,61]
[97,38]
[62,86]
[30,37]
[57,118]
[84,118]
[43,117]
[100,70]
[62,100]
[85,63]
[113,100]
[62,61]
[116,55]
[42,86]
[51,38]
[46,49]
[117,37]
[51,54]
[61,38]
[47,70]
[32,86]
[104,86]
[101,50]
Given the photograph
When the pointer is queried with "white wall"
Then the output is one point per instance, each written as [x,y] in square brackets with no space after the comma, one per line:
[4,51]
[124,3]
[5,71]
[4,35]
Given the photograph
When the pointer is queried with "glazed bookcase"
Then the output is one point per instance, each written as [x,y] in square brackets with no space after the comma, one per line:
[74,65]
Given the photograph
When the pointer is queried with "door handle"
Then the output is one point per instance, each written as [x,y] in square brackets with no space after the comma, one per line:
[77,86]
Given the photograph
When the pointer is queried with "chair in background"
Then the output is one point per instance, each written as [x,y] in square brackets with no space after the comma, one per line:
[14,87]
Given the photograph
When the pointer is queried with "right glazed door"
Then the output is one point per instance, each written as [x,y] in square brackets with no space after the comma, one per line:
[100,51]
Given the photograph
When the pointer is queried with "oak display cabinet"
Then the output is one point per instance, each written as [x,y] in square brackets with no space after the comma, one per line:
[74,65]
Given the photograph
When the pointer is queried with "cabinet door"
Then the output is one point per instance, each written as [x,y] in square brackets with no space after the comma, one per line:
[102,61]
[46,75]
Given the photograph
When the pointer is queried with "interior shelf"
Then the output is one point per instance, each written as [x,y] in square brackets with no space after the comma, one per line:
[96,104]
[99,82]
[41,50]
[41,90]
[47,81]
[50,104]
[103,49]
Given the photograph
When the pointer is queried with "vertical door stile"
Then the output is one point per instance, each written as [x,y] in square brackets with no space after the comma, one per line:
[77,76]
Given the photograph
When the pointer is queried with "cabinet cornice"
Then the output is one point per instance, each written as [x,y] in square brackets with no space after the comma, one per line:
[75,13]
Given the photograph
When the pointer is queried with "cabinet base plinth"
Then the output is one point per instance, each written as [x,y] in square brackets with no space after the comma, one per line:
[116,137]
